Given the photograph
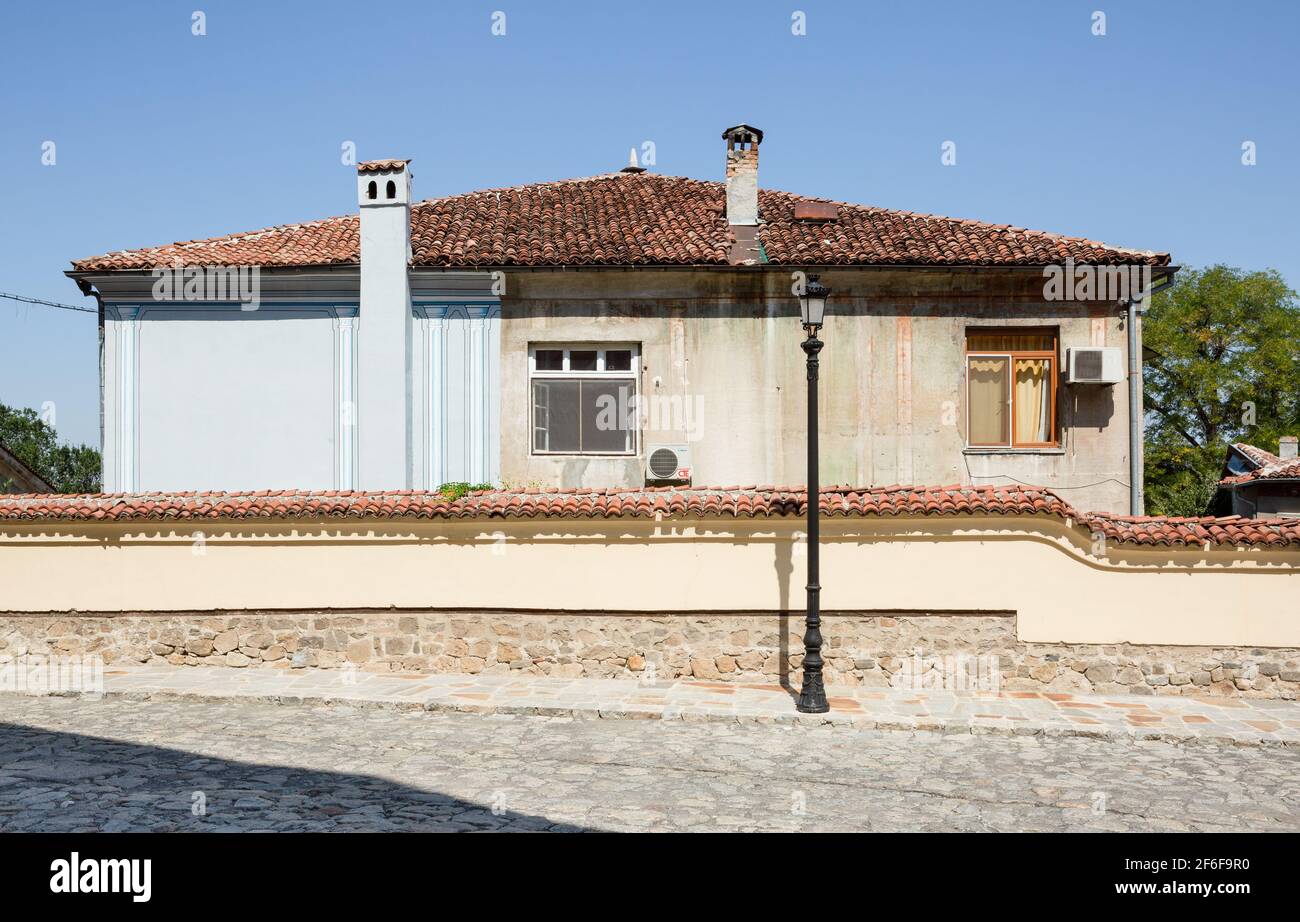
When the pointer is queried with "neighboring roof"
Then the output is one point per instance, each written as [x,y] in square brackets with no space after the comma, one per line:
[1268,466]
[635,219]
[14,470]
[749,502]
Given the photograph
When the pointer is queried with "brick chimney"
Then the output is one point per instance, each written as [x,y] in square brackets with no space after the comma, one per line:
[1286,447]
[384,329]
[742,174]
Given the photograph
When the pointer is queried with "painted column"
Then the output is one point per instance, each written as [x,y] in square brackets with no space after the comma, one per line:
[434,368]
[345,372]
[128,355]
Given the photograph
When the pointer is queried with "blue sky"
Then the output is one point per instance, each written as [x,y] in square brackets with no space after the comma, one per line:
[1133,137]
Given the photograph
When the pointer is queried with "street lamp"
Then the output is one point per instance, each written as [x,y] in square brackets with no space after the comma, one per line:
[812,696]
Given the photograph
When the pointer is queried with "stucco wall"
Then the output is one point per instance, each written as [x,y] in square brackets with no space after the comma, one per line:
[260,400]
[215,398]
[1036,567]
[893,409]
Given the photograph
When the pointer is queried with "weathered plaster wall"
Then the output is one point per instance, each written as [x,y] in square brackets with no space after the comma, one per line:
[893,409]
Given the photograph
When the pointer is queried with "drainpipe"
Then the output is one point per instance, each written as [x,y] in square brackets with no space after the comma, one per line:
[89,290]
[1135,504]
[1136,499]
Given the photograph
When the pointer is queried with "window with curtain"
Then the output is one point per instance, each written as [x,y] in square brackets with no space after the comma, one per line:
[1011,388]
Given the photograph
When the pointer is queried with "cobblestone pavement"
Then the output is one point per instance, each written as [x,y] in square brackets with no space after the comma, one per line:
[72,764]
[1170,718]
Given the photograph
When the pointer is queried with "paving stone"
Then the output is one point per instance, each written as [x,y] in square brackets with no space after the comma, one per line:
[267,766]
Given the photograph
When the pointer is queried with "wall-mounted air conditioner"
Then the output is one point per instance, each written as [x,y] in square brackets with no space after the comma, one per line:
[1094,365]
[668,464]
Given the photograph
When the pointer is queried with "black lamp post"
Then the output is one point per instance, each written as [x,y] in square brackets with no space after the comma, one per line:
[812,696]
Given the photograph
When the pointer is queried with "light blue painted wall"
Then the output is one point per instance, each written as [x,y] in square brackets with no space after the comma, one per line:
[461,364]
[209,397]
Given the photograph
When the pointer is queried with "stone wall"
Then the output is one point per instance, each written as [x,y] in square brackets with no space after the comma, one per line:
[861,649]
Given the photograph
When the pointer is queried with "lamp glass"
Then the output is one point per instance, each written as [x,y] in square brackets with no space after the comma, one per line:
[812,304]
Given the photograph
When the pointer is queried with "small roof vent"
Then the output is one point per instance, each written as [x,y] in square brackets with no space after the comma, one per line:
[632,166]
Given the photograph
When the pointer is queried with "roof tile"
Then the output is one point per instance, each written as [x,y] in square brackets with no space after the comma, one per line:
[649,503]
[634,219]
[1268,466]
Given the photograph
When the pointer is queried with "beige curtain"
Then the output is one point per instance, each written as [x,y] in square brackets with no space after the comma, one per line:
[1032,401]
[1010,342]
[987,393]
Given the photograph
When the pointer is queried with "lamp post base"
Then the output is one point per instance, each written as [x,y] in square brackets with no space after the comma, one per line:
[812,697]
[812,694]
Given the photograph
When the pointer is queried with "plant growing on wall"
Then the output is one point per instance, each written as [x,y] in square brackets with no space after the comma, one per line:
[67,468]
[1223,366]
[458,489]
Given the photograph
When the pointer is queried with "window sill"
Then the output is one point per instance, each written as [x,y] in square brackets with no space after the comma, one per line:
[624,455]
[975,450]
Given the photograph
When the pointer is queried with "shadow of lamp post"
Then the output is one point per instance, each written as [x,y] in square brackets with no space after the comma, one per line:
[812,695]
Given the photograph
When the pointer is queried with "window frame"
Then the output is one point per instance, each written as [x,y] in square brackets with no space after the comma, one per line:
[1012,355]
[600,373]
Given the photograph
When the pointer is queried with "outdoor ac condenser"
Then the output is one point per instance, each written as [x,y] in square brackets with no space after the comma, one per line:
[668,464]
[1094,365]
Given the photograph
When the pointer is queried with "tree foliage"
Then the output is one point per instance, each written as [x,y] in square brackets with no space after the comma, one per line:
[1223,367]
[66,468]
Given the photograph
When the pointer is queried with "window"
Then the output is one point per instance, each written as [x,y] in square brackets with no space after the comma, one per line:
[584,399]
[1011,388]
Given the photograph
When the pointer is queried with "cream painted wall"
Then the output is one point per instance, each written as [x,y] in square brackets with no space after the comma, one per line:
[1039,568]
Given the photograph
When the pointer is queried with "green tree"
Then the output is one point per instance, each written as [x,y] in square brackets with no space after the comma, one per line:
[67,468]
[1225,367]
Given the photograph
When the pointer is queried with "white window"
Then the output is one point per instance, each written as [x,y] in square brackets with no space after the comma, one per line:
[584,398]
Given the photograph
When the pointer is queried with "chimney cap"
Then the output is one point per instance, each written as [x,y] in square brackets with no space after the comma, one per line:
[743,132]
[381,166]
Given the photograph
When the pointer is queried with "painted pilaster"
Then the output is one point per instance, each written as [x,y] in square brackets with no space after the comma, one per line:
[345,371]
[462,384]
[127,399]
[437,330]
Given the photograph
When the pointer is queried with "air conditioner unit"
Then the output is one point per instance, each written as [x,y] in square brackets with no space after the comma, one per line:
[668,464]
[1094,365]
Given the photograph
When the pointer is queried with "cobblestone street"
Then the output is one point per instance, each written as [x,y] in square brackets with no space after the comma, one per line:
[69,764]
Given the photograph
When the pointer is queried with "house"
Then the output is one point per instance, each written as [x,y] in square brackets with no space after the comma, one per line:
[17,477]
[615,331]
[1259,484]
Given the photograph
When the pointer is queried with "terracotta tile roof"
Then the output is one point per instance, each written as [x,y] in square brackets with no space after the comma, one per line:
[742,502]
[633,219]
[331,241]
[1268,466]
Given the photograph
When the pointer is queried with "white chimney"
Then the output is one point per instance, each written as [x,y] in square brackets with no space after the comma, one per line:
[382,415]
[1286,447]
[742,174]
